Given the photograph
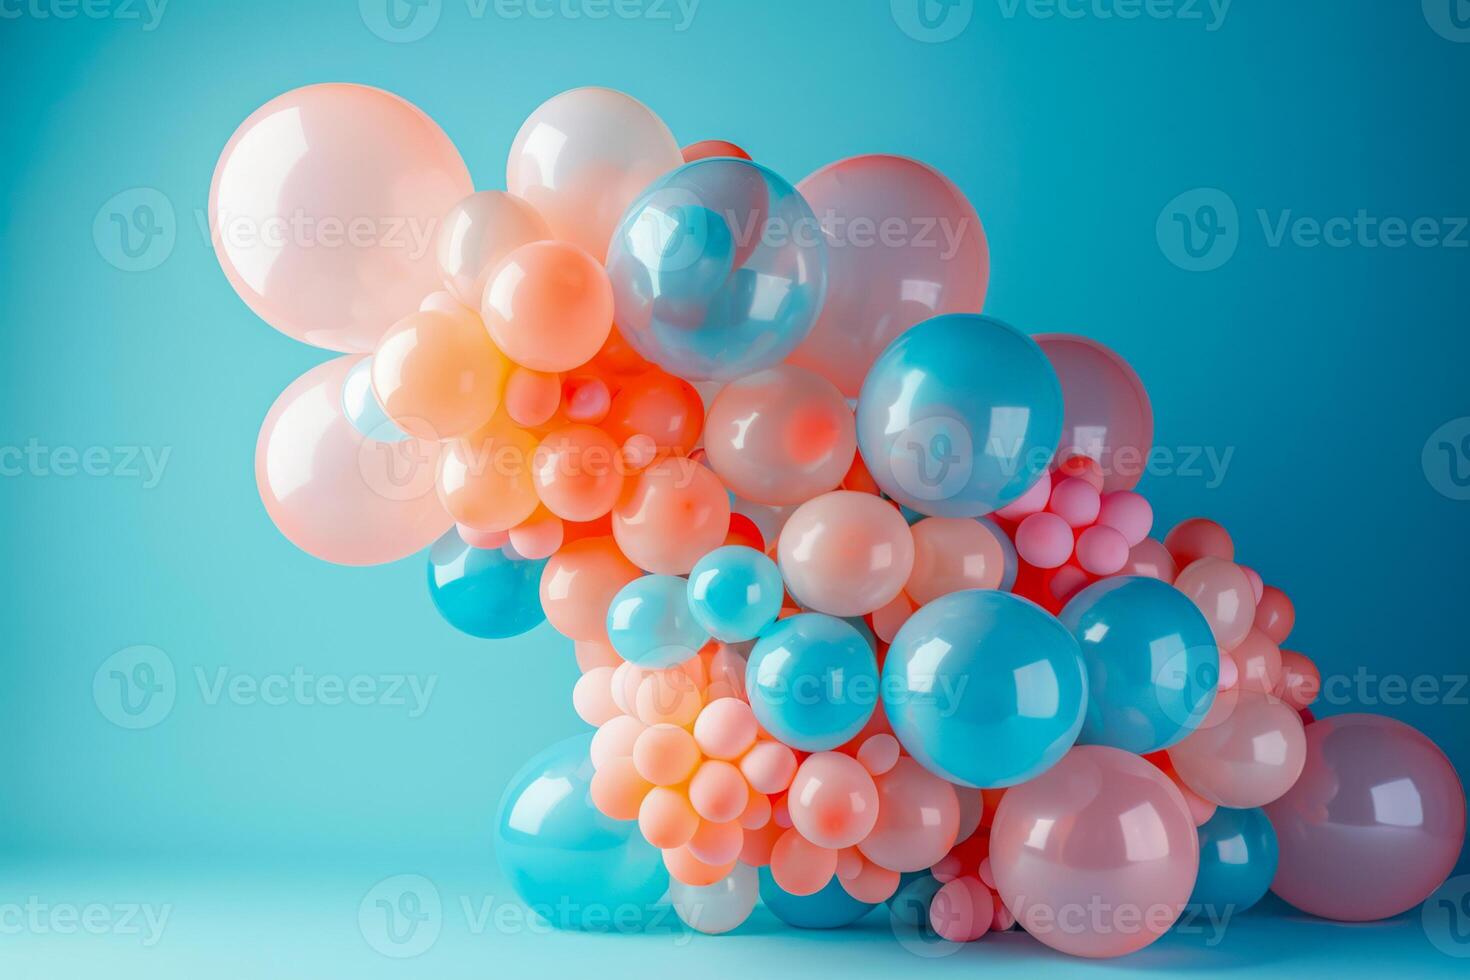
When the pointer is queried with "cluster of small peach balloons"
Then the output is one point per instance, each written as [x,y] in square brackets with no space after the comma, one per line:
[866,606]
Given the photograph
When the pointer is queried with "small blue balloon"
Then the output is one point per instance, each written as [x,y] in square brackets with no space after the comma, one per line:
[719,270]
[1237,860]
[361,406]
[812,681]
[985,688]
[830,908]
[959,416]
[650,624]
[573,866]
[735,592]
[1152,663]
[484,593]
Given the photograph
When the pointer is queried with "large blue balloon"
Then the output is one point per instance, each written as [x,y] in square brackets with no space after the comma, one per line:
[719,270]
[812,681]
[1237,860]
[985,688]
[649,622]
[959,416]
[484,593]
[830,908]
[735,592]
[1152,663]
[573,866]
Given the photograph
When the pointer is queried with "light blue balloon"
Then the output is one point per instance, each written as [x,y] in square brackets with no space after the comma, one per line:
[362,408]
[735,592]
[483,592]
[830,908]
[719,270]
[985,688]
[573,866]
[650,624]
[812,681]
[1238,853]
[1152,663]
[959,416]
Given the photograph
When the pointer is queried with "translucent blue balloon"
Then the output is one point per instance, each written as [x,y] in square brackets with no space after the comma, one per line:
[362,408]
[812,681]
[959,416]
[719,270]
[985,688]
[1152,663]
[573,866]
[830,908]
[1237,860]
[484,593]
[650,623]
[735,592]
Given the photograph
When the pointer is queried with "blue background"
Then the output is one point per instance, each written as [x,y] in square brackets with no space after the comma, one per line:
[1323,370]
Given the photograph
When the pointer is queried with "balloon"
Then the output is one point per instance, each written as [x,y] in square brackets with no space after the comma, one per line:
[812,681]
[1128,513]
[952,554]
[830,908]
[718,908]
[333,493]
[1152,663]
[1102,550]
[1248,751]
[362,407]
[918,819]
[484,593]
[780,436]
[1075,501]
[833,800]
[1259,662]
[846,553]
[568,862]
[532,397]
[437,375]
[769,766]
[1374,825]
[477,234]
[485,477]
[577,472]
[1237,859]
[1044,540]
[725,729]
[1223,593]
[1149,557]
[962,910]
[985,688]
[1275,615]
[1198,538]
[657,405]
[649,623]
[323,211]
[904,245]
[735,593]
[579,583]
[1301,682]
[719,270]
[909,906]
[959,416]
[583,156]
[549,306]
[705,149]
[673,514]
[1108,417]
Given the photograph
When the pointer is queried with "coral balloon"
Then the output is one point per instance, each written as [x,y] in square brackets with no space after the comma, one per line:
[952,554]
[800,867]
[485,477]
[548,306]
[1249,751]
[918,819]
[437,375]
[846,553]
[577,472]
[1223,593]
[705,149]
[477,234]
[1108,418]
[674,514]
[1197,538]
[578,586]
[1151,559]
[661,407]
[1275,615]
[833,800]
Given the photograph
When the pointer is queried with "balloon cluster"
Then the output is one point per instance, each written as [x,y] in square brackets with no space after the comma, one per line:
[866,606]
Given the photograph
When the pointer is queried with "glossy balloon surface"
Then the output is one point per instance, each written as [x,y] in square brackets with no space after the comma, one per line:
[1237,860]
[830,908]
[483,592]
[1108,417]
[812,681]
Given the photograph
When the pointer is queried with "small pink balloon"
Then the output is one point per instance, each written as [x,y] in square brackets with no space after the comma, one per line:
[833,800]
[477,233]
[1108,417]
[889,619]
[1102,550]
[587,400]
[1128,513]
[846,553]
[1260,663]
[1197,538]
[1229,672]
[768,766]
[1044,540]
[615,739]
[718,791]
[952,554]
[1151,559]
[1248,751]
[1223,593]
[918,819]
[1275,615]
[1033,501]
[879,753]
[1258,587]
[1301,682]
[1075,501]
[725,729]
[484,540]
[539,536]
[962,910]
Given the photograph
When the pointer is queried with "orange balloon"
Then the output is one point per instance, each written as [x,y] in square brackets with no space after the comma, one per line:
[485,478]
[685,867]
[618,790]
[676,513]
[437,375]
[578,584]
[531,397]
[801,867]
[666,818]
[658,405]
[577,472]
[549,306]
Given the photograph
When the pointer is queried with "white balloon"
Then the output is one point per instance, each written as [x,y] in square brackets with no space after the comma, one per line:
[717,908]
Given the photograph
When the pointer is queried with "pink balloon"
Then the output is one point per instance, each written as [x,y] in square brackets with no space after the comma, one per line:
[1199,537]
[1248,751]
[324,210]
[833,800]
[1301,681]
[918,819]
[962,910]
[1150,558]
[1044,540]
[1033,501]
[1223,593]
[904,245]
[336,494]
[1075,501]
[1096,856]
[846,553]
[1108,417]
[1102,550]
[952,554]
[477,233]
[1275,615]
[1128,513]
[1259,661]
[1374,825]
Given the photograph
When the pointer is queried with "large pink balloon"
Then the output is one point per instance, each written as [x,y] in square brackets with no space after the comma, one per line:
[1107,415]
[1248,751]
[903,245]
[336,494]
[1097,855]
[325,208]
[1373,826]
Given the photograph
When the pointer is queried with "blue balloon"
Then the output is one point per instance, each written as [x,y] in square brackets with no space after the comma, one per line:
[812,681]
[719,270]
[909,905]
[1152,663]
[573,866]
[484,593]
[1237,860]
[985,688]
[830,908]
[650,624]
[362,408]
[735,592]
[959,416]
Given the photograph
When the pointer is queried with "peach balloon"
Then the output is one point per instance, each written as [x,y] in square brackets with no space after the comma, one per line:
[757,812]
[918,819]
[443,301]
[1259,662]
[759,844]
[485,477]
[617,790]
[477,234]
[548,306]
[592,697]
[586,399]
[686,868]
[718,791]
[1224,594]
[615,740]
[667,696]
[833,800]
[577,471]
[801,867]
[1275,615]
[1249,754]
[660,407]
[871,884]
[1151,559]
[538,536]
[888,620]
[725,729]
[437,375]
[336,494]
[532,397]
[769,766]
[962,910]
[666,818]
[1197,538]
[674,514]
[1301,682]
[665,755]
[951,554]
[717,843]
[578,584]
[846,553]
[484,540]
[879,753]
[323,208]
